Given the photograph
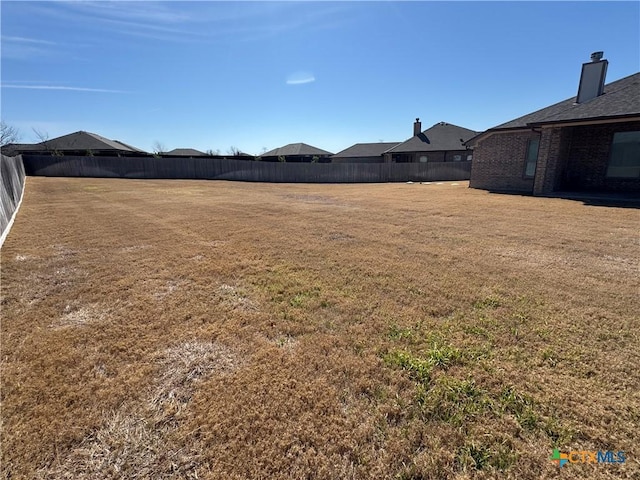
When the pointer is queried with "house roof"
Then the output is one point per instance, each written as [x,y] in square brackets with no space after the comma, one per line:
[185,152]
[301,149]
[11,149]
[620,98]
[87,141]
[78,141]
[366,149]
[440,137]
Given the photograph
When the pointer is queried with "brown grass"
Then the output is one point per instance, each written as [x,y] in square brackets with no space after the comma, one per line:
[186,329]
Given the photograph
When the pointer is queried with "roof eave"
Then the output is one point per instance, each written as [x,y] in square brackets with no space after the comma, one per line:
[587,121]
[550,123]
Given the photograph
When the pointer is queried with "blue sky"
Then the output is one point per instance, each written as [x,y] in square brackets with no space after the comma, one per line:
[259,75]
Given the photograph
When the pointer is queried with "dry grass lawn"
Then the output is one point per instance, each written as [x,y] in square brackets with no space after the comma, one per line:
[187,329]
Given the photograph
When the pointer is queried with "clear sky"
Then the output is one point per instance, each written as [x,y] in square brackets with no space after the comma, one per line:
[259,75]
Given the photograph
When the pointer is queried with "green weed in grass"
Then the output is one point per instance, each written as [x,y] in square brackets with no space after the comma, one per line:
[519,405]
[492,301]
[397,333]
[420,367]
[452,400]
[479,456]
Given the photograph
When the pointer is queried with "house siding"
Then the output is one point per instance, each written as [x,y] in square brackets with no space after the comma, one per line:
[499,162]
[572,158]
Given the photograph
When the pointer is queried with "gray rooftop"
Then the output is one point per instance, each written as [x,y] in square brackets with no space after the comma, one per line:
[190,152]
[300,149]
[620,98]
[366,149]
[79,141]
[440,137]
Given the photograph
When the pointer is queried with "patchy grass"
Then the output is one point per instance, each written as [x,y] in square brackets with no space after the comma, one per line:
[186,329]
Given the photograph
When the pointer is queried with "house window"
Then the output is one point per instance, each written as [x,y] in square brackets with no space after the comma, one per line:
[532,158]
[469,158]
[457,158]
[625,155]
[424,159]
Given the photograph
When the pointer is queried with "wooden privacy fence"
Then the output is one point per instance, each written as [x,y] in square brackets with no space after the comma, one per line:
[12,171]
[244,170]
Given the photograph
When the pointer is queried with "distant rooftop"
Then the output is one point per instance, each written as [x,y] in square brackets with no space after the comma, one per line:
[366,149]
[301,149]
[440,137]
[185,152]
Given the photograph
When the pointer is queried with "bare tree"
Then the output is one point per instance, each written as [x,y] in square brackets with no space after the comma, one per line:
[44,140]
[158,148]
[40,135]
[8,133]
[213,152]
[234,151]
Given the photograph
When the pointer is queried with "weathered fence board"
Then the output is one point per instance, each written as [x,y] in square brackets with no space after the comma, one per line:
[12,171]
[243,170]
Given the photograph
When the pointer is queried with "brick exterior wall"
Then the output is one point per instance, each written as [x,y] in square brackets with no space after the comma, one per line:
[569,158]
[499,162]
[551,160]
[587,157]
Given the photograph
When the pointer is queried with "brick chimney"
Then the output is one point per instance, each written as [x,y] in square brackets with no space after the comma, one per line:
[417,127]
[592,78]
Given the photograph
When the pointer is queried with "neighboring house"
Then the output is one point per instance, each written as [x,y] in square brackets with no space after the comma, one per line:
[184,152]
[78,143]
[590,142]
[363,153]
[297,152]
[443,142]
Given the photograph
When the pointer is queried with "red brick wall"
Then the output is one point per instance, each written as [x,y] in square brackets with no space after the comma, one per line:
[552,155]
[499,162]
[569,158]
[588,157]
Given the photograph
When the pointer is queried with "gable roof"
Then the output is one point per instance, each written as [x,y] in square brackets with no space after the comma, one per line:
[185,152]
[620,98]
[79,141]
[86,141]
[300,149]
[366,149]
[440,137]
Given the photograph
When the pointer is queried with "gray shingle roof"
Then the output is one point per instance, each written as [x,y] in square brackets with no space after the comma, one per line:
[87,141]
[366,149]
[296,149]
[80,141]
[620,98]
[440,137]
[186,152]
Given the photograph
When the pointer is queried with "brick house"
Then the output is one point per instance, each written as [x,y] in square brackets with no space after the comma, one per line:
[443,142]
[297,152]
[590,142]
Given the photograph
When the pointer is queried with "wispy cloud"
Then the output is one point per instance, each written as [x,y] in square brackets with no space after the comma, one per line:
[157,20]
[200,20]
[27,40]
[25,47]
[60,87]
[300,78]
